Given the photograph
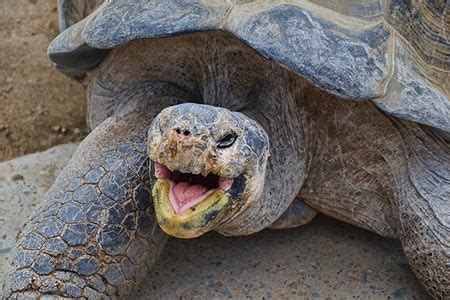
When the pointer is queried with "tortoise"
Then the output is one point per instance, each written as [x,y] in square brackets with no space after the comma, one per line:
[235,116]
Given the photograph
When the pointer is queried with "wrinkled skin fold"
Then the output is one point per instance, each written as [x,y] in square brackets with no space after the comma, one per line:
[347,160]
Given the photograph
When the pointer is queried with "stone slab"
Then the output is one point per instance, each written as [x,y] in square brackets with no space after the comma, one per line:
[325,259]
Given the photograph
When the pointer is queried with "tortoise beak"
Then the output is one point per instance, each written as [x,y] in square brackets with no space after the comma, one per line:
[189,205]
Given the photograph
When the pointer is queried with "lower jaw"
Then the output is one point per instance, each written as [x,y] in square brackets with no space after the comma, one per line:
[195,221]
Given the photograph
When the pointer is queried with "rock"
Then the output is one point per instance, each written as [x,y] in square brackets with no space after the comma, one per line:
[23,182]
[325,258]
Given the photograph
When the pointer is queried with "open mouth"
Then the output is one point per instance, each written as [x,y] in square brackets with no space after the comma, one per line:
[187,190]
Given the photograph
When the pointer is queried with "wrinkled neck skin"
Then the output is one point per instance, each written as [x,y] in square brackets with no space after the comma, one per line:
[286,167]
[217,70]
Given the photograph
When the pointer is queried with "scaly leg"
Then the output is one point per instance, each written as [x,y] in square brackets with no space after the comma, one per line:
[95,234]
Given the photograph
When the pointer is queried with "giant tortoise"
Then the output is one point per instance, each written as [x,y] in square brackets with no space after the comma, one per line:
[239,115]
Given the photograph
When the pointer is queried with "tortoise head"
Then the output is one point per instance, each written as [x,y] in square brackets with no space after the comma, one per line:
[207,163]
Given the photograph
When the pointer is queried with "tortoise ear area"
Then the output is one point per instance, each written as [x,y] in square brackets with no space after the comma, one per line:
[257,140]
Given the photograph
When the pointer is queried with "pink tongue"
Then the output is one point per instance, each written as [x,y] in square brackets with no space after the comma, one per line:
[184,192]
[186,195]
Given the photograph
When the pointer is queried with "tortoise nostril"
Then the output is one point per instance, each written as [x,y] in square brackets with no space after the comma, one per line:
[184,132]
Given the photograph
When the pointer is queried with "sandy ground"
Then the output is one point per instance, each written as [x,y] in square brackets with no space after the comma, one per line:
[39,107]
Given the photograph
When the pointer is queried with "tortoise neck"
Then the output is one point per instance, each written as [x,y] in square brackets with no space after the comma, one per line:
[290,150]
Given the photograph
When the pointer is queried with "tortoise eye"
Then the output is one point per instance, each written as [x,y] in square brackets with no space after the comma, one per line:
[227,140]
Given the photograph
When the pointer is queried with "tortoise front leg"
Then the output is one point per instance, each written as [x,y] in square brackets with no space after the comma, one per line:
[95,234]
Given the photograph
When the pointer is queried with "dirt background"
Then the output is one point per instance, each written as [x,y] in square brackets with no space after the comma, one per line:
[39,107]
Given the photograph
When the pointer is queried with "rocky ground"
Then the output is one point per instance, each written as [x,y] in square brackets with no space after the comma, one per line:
[39,107]
[325,259]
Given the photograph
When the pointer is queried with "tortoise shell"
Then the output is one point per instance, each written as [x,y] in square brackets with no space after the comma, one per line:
[394,53]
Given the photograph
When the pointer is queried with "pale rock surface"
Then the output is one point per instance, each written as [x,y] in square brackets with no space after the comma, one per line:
[326,259]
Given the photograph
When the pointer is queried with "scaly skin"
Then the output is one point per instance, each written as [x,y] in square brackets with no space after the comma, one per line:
[95,233]
[387,175]
[347,160]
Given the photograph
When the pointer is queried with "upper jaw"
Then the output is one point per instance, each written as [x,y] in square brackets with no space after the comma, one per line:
[196,156]
[195,162]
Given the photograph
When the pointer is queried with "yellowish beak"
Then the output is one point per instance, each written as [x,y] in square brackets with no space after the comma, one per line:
[193,222]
